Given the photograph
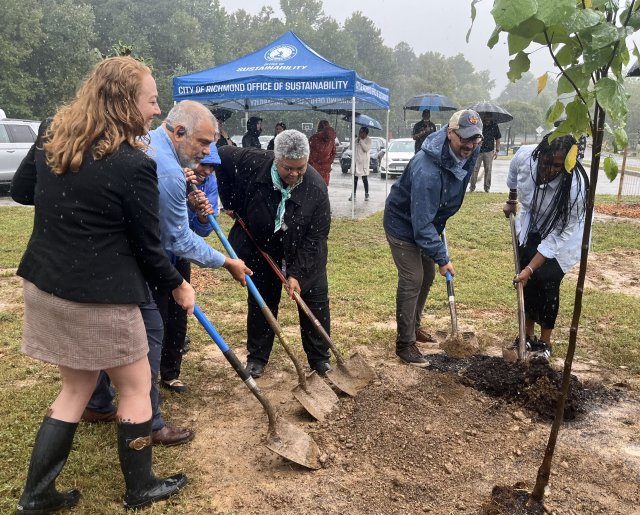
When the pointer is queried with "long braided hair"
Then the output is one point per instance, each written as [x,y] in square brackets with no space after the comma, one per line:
[556,216]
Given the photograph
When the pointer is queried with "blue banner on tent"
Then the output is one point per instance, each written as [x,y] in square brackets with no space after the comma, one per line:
[286,74]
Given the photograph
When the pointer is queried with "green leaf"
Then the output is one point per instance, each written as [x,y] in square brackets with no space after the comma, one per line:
[577,75]
[517,66]
[555,111]
[473,17]
[510,13]
[517,43]
[601,35]
[577,117]
[568,54]
[551,11]
[582,19]
[611,95]
[620,139]
[610,168]
[596,58]
[495,36]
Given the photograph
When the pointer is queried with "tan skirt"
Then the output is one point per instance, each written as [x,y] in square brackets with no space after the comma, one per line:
[81,336]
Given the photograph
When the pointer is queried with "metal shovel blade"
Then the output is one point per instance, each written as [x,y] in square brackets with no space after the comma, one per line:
[351,376]
[294,444]
[319,399]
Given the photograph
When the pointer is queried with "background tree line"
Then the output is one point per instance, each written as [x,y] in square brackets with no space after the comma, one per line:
[48,46]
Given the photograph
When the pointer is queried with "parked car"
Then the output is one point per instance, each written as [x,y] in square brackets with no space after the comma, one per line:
[16,138]
[376,147]
[400,151]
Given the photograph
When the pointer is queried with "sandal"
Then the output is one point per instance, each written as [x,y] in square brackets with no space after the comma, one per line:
[175,385]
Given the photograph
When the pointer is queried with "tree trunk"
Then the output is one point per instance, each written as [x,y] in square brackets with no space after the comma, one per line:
[542,480]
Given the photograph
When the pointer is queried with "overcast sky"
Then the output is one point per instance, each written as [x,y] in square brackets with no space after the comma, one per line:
[426,25]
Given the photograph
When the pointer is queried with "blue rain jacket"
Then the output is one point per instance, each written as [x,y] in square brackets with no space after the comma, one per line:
[428,193]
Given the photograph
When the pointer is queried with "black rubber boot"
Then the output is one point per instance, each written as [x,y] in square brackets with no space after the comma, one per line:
[143,488]
[50,453]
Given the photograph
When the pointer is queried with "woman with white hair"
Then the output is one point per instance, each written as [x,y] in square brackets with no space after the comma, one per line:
[285,205]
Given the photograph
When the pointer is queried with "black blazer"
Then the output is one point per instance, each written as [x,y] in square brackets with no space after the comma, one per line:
[245,186]
[96,236]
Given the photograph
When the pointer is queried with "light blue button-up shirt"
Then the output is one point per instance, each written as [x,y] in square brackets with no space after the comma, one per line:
[177,239]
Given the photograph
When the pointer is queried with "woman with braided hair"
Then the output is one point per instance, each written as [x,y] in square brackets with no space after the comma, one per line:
[552,190]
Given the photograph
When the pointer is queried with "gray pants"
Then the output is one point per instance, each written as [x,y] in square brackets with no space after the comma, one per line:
[486,158]
[415,276]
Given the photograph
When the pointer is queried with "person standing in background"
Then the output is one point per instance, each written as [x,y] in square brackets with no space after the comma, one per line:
[251,138]
[323,149]
[422,129]
[488,151]
[361,162]
[280,126]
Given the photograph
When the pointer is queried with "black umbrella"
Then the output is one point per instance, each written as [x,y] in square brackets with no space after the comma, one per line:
[499,114]
[222,114]
[432,102]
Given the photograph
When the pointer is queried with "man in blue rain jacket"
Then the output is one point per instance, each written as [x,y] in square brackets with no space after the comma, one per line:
[428,193]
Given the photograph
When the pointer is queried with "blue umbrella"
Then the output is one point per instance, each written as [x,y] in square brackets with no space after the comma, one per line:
[365,121]
[432,102]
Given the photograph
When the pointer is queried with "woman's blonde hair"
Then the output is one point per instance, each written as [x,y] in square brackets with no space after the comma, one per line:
[102,116]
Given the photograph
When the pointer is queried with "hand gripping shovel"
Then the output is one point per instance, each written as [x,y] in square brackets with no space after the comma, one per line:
[312,392]
[349,376]
[507,353]
[457,345]
[283,438]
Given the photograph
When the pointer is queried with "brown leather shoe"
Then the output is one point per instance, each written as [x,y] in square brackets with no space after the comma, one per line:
[97,417]
[170,435]
[423,336]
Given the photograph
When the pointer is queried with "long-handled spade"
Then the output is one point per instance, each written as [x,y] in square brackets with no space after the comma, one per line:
[312,392]
[349,376]
[457,344]
[283,438]
[507,353]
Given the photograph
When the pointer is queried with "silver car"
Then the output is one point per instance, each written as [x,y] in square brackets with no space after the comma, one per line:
[16,138]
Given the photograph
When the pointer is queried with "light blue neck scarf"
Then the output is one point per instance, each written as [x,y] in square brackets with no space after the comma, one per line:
[284,191]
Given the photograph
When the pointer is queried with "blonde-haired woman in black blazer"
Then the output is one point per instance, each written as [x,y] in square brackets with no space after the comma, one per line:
[94,248]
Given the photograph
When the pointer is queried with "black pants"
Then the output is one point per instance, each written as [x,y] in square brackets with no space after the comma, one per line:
[175,327]
[542,293]
[365,183]
[260,335]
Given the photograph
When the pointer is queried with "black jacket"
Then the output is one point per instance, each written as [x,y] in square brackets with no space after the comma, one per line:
[96,236]
[245,186]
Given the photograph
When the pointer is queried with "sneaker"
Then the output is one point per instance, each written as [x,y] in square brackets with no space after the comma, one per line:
[366,197]
[412,356]
[540,351]
[350,198]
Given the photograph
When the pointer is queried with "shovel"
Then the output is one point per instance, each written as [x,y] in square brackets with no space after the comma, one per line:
[522,332]
[457,345]
[283,438]
[349,376]
[312,392]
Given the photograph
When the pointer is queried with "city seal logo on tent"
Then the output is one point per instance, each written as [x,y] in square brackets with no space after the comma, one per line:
[281,53]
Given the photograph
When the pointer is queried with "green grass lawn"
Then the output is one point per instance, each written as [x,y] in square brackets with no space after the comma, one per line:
[362,290]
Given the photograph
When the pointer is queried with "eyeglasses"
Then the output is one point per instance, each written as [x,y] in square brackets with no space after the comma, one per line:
[474,140]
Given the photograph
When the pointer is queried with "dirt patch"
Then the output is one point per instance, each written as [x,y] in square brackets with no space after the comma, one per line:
[619,210]
[11,301]
[612,271]
[415,441]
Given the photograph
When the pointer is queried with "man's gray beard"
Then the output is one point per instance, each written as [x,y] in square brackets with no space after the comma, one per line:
[187,162]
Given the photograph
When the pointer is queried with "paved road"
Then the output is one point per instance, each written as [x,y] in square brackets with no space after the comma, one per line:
[340,189]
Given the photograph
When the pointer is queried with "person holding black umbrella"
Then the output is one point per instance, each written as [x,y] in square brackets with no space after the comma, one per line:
[422,129]
[488,151]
